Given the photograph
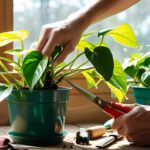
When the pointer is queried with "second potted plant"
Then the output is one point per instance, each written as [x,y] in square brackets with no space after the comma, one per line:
[138,69]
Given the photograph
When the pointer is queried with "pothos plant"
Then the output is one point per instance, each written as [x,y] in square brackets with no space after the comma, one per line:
[137,67]
[36,71]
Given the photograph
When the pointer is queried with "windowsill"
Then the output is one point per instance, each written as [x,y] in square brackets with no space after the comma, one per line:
[122,144]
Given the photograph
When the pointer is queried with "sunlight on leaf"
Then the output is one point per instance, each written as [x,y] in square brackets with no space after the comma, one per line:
[124,35]
[17,52]
[5,91]
[117,92]
[90,81]
[118,83]
[34,65]
[85,44]
[8,37]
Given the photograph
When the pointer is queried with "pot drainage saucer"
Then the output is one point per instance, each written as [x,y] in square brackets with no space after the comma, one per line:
[36,140]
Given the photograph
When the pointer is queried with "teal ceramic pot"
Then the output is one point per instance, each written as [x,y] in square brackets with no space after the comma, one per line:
[37,117]
[142,95]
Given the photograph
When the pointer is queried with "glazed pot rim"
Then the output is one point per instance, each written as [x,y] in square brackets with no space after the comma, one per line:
[139,87]
[61,88]
[37,96]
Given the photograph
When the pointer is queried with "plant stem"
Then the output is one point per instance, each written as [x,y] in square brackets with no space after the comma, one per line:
[22,44]
[71,74]
[52,70]
[102,39]
[74,60]
[11,61]
[56,74]
[10,75]
[82,64]
[20,59]
[97,83]
[6,80]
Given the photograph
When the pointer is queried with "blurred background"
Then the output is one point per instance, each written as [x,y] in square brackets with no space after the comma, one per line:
[32,14]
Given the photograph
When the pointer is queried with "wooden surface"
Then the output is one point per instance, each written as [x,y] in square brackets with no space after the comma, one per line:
[122,144]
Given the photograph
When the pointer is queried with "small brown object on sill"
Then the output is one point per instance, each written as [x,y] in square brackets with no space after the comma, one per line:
[96,131]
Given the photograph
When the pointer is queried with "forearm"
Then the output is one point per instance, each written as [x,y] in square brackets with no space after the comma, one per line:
[68,32]
[100,10]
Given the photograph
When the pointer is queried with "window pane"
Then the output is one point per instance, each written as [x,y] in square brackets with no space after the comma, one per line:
[32,14]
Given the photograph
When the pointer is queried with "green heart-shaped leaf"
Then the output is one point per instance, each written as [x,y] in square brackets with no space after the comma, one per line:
[56,52]
[146,78]
[131,70]
[102,60]
[118,83]
[122,34]
[34,65]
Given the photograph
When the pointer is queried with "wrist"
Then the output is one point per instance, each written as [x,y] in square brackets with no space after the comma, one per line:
[81,19]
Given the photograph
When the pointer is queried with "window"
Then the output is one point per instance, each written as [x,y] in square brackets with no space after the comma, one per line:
[32,14]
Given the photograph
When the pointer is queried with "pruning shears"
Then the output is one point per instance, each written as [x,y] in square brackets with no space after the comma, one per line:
[113,109]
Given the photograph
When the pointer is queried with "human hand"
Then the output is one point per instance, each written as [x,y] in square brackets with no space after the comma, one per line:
[66,32]
[135,125]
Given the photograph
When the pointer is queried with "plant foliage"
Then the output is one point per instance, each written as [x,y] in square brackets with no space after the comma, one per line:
[38,72]
[137,67]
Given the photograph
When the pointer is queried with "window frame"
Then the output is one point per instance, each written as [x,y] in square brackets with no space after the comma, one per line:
[6,23]
[6,15]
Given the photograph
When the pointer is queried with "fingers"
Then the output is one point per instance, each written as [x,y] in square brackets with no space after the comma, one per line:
[117,123]
[131,106]
[63,33]
[69,47]
[53,41]
[134,125]
[50,38]
[43,39]
[140,138]
[131,119]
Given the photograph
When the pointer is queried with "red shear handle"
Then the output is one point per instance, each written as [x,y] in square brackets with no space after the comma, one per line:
[113,112]
[121,107]
[116,110]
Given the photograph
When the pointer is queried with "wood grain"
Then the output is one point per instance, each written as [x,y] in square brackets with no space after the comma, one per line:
[6,24]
